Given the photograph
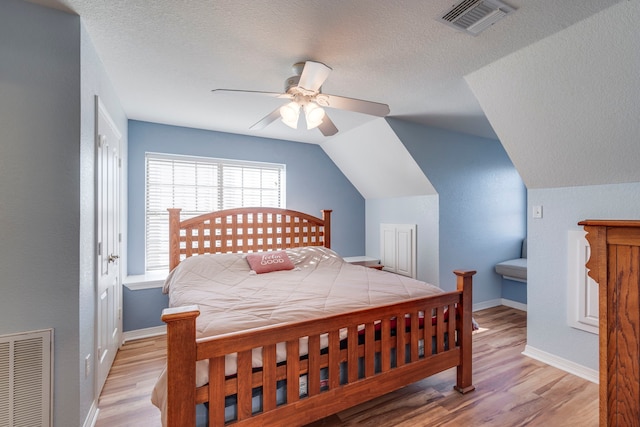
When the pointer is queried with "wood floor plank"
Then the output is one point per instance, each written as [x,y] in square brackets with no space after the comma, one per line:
[511,389]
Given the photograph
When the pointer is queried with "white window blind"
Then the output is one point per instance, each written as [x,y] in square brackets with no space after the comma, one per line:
[199,185]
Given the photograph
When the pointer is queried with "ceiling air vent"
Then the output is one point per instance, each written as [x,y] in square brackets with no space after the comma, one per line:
[475,16]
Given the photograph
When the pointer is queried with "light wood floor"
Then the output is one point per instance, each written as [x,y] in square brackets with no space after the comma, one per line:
[511,389]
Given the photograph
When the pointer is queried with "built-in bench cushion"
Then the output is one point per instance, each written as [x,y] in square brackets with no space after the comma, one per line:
[513,269]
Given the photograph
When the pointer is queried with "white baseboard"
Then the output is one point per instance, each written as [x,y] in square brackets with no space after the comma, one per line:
[487,304]
[514,304]
[498,302]
[563,364]
[92,416]
[144,333]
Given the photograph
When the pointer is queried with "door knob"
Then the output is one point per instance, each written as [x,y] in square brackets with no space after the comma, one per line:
[112,258]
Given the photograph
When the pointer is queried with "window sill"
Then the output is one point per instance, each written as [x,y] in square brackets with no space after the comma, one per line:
[149,280]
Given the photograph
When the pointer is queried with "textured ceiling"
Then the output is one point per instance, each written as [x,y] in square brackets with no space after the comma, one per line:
[566,108]
[165,56]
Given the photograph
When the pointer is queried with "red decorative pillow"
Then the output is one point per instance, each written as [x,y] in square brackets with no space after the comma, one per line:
[266,262]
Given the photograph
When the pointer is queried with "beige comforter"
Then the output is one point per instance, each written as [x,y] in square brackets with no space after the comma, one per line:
[232,298]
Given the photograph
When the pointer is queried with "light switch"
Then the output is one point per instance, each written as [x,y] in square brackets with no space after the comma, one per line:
[537,212]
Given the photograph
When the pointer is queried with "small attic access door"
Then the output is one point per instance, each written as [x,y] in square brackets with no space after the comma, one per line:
[398,248]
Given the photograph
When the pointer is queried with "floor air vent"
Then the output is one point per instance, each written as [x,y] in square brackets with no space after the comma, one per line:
[25,379]
[475,16]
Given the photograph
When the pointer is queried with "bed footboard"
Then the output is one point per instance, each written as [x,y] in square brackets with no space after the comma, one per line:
[362,355]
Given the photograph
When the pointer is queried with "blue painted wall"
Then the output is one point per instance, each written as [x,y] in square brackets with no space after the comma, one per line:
[514,291]
[482,202]
[142,308]
[313,183]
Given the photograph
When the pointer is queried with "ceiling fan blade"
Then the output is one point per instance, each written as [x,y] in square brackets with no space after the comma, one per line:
[267,120]
[313,75]
[258,92]
[352,104]
[327,127]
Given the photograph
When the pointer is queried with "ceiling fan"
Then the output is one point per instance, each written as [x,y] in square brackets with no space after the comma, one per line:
[304,92]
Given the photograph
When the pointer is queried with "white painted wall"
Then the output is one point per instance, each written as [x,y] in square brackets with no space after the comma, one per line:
[419,210]
[547,269]
[376,162]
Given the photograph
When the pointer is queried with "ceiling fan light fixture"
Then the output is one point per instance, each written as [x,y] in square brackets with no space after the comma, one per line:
[290,113]
[313,115]
[304,91]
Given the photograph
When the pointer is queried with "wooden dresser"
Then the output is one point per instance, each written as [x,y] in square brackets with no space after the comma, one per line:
[615,264]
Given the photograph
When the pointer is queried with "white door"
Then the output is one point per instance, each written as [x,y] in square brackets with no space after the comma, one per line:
[108,306]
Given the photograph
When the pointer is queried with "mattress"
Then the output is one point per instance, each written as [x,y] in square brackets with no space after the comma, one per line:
[232,297]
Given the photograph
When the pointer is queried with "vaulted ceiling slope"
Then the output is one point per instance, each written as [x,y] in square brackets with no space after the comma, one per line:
[164,57]
[567,108]
[388,170]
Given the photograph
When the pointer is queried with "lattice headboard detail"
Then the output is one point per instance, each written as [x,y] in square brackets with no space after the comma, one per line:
[245,230]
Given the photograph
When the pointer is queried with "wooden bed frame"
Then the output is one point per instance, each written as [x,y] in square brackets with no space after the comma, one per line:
[445,344]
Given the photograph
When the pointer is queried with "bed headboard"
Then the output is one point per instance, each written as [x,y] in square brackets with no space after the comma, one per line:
[245,230]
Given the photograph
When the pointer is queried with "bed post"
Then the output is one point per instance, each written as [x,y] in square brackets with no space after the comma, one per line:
[326,219]
[464,369]
[174,238]
[181,365]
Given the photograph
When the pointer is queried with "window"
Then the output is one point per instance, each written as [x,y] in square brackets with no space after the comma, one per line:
[199,185]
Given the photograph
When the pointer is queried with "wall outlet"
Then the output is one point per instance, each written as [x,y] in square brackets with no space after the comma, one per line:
[537,212]
[87,365]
